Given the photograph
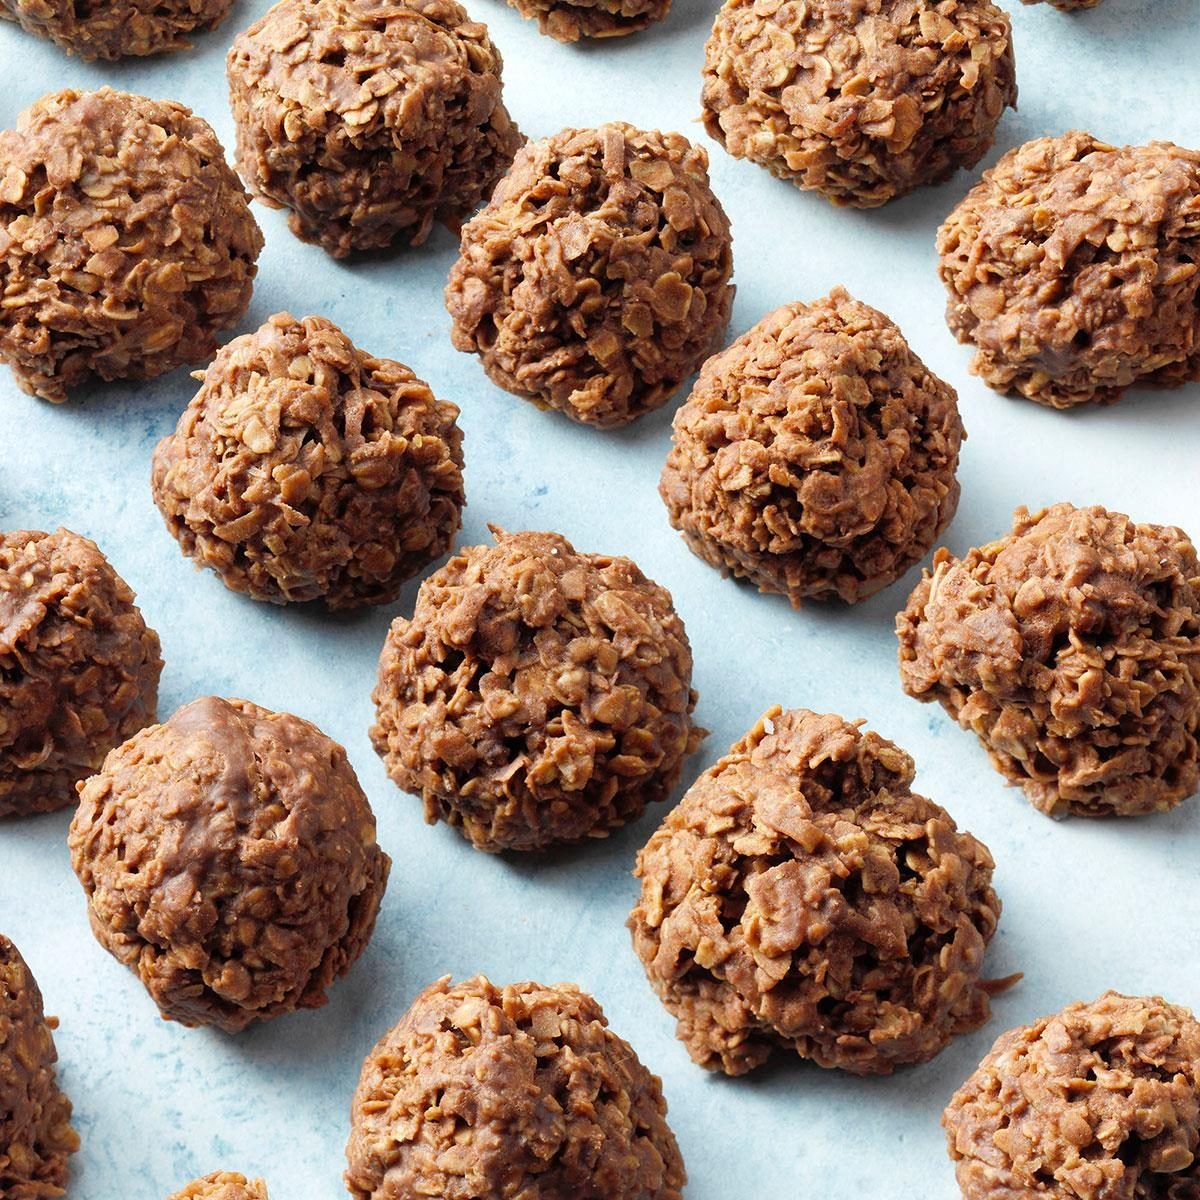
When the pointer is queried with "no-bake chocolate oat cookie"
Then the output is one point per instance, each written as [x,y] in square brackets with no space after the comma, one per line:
[78,668]
[229,859]
[1098,1102]
[36,1138]
[862,100]
[1071,648]
[1072,269]
[223,1185]
[126,242]
[597,278]
[816,455]
[308,469]
[113,29]
[369,119]
[801,897]
[486,1093]
[570,20]
[538,695]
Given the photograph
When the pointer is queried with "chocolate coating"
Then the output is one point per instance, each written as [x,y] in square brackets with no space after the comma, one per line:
[863,100]
[116,28]
[538,695]
[570,20]
[1071,268]
[802,897]
[1071,648]
[486,1093]
[307,469]
[223,1185]
[126,242]
[1098,1102]
[229,859]
[816,455]
[78,668]
[596,280]
[36,1138]
[369,119]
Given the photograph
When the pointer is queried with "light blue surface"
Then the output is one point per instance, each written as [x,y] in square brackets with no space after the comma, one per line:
[1087,906]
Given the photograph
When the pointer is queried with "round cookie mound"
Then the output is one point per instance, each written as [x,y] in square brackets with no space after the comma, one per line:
[597,278]
[307,469]
[1099,1101]
[816,455]
[116,28]
[1071,648]
[126,242]
[802,897]
[538,695]
[368,119]
[223,1185]
[36,1138]
[79,669]
[570,20]
[485,1093]
[1071,269]
[229,858]
[860,101]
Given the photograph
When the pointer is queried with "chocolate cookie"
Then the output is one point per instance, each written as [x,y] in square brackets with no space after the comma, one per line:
[36,1138]
[368,119]
[538,695]
[116,28]
[570,20]
[487,1093]
[597,278]
[862,102]
[126,242]
[802,898]
[1071,268]
[307,469]
[223,1185]
[79,669]
[816,455]
[1071,648]
[1099,1101]
[229,859]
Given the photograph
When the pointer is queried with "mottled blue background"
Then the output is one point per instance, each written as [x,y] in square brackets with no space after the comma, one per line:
[1087,906]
